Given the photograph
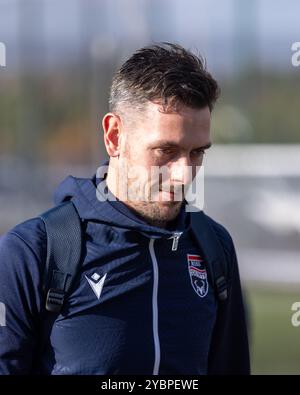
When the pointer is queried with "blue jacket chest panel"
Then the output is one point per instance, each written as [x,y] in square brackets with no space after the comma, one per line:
[134,311]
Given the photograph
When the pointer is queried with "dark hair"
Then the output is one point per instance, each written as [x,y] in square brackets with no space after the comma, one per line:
[165,72]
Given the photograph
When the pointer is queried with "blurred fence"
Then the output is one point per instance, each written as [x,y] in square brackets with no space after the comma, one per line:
[254,190]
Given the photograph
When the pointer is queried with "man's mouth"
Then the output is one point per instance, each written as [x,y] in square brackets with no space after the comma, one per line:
[175,190]
[172,192]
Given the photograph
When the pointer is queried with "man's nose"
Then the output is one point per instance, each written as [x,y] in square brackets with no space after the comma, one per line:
[181,170]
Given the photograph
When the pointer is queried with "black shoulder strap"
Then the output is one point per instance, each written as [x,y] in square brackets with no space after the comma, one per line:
[63,227]
[213,251]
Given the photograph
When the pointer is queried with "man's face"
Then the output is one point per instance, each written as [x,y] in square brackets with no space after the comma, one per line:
[172,141]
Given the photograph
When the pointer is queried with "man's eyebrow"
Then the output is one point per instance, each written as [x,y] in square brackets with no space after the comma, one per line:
[166,143]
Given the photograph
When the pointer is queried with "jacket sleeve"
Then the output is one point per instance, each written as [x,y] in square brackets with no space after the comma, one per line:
[20,303]
[229,350]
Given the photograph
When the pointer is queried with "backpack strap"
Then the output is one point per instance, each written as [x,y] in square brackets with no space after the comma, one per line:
[213,251]
[64,245]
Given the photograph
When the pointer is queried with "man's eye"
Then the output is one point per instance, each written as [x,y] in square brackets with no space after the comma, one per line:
[165,151]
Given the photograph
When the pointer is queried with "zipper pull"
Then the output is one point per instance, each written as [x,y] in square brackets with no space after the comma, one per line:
[175,241]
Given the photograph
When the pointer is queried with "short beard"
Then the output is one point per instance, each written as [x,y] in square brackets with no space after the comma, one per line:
[155,214]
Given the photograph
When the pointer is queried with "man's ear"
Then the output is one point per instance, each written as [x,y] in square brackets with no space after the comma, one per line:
[112,127]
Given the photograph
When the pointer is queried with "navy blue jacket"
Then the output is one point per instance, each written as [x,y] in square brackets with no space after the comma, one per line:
[141,304]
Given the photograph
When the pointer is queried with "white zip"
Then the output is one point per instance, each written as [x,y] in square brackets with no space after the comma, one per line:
[175,238]
[155,309]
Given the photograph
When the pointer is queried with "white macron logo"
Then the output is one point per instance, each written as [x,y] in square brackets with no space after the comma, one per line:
[96,283]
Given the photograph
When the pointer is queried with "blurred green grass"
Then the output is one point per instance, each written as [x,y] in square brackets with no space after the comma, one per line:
[274,341]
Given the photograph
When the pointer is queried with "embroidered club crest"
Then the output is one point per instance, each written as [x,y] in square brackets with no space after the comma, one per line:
[198,274]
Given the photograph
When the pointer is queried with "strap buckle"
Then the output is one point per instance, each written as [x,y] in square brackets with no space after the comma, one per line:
[55,300]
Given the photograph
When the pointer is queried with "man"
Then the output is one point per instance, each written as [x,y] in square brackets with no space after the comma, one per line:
[142,302]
